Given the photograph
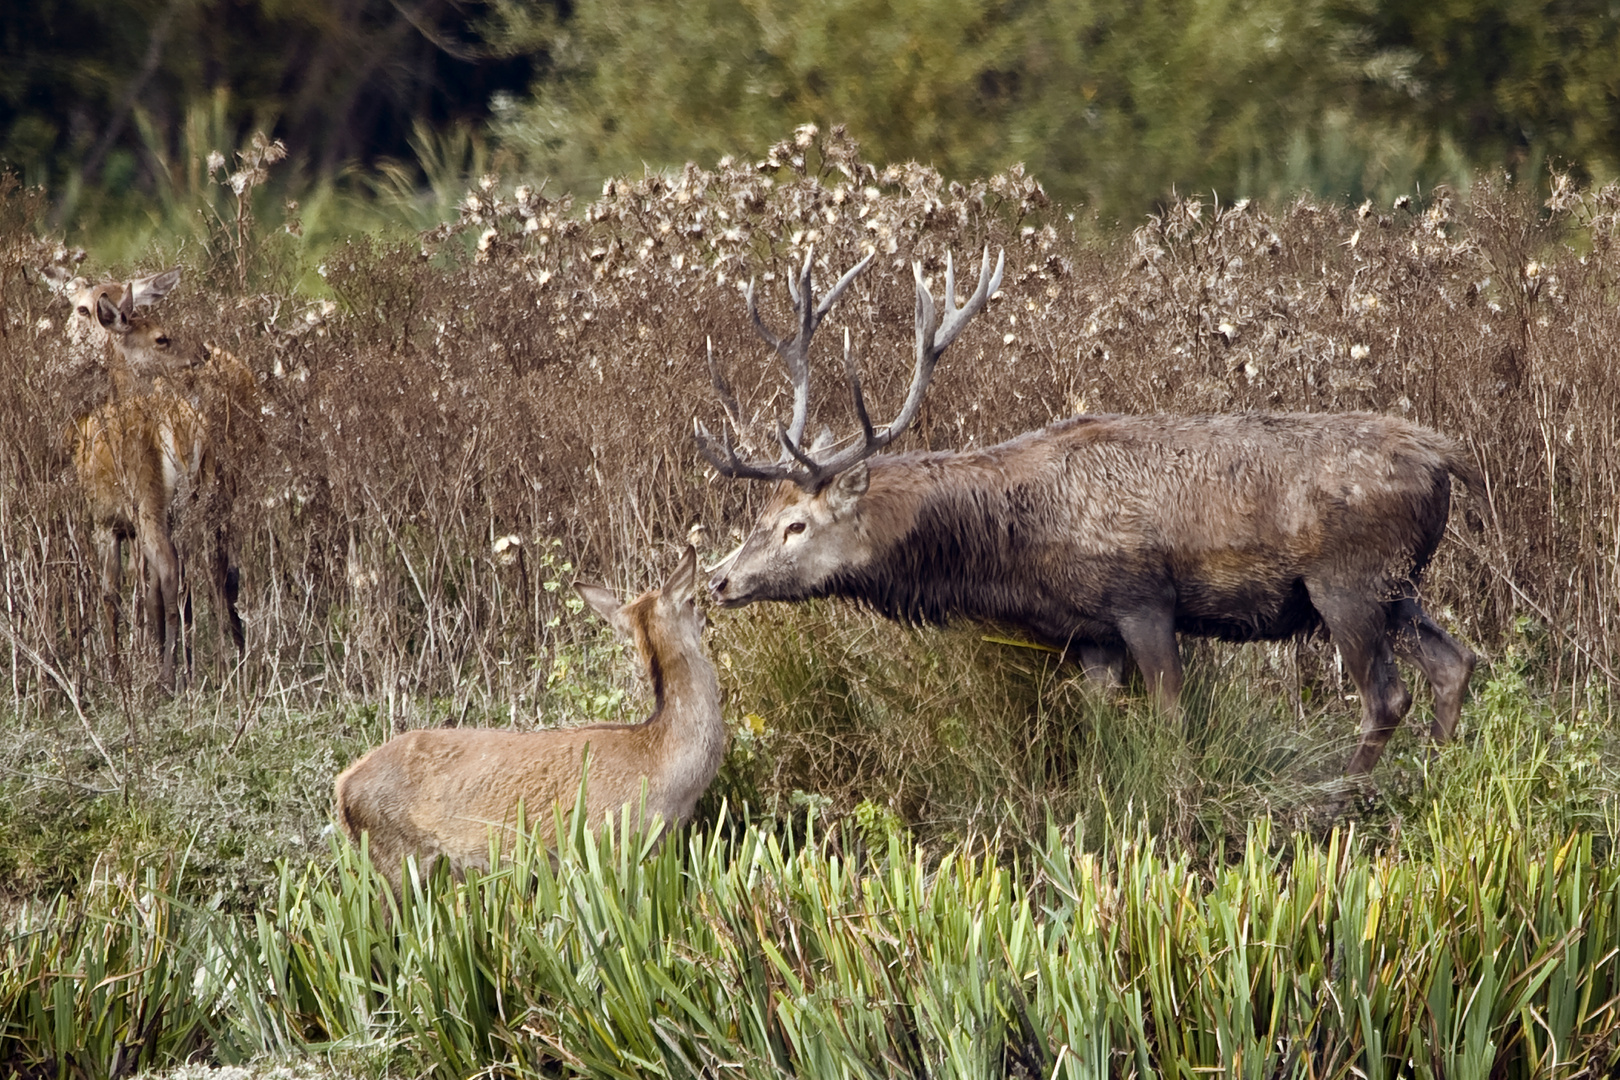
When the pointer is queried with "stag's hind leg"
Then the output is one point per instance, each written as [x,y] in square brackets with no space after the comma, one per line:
[1358,626]
[1444,661]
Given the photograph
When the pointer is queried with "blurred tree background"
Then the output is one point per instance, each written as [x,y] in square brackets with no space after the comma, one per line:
[389,105]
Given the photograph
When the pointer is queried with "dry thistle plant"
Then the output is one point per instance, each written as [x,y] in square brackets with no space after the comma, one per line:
[533,370]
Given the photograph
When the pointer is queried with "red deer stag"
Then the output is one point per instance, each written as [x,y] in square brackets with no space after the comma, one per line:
[136,453]
[1101,534]
[438,793]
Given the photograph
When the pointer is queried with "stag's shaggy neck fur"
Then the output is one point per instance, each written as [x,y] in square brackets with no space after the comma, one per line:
[946,532]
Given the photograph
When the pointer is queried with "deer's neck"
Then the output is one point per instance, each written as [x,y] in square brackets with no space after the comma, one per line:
[124,381]
[686,717]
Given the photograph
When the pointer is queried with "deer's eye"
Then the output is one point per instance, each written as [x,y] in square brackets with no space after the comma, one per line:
[162,341]
[793,528]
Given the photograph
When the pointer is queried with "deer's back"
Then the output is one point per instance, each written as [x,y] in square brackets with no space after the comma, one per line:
[439,792]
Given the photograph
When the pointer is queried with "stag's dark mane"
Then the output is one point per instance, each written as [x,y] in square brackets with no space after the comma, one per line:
[959,555]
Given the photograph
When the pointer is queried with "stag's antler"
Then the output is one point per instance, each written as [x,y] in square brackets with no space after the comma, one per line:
[934,336]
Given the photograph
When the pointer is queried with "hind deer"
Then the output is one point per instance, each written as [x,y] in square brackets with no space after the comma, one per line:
[136,453]
[439,794]
[1102,535]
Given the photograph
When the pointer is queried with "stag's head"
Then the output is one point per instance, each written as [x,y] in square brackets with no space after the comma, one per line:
[813,527]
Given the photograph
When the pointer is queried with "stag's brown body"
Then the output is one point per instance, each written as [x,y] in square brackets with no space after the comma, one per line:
[438,794]
[1070,530]
[1106,534]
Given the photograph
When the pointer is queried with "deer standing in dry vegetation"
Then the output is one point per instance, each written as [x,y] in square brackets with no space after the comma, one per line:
[138,451]
[438,793]
[1106,534]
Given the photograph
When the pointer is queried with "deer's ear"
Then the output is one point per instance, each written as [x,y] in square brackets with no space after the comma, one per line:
[681,584]
[109,315]
[602,601]
[847,488]
[151,289]
[58,279]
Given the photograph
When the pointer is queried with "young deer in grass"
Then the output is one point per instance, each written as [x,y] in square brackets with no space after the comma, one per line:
[136,453]
[87,338]
[437,794]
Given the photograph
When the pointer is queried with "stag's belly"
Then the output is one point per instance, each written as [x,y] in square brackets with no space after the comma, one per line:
[1252,611]
[1252,599]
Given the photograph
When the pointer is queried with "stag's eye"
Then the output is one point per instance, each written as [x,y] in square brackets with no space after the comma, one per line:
[162,341]
[793,528]
[84,311]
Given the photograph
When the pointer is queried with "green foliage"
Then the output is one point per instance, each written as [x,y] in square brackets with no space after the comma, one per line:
[617,957]
[1110,102]
[1520,84]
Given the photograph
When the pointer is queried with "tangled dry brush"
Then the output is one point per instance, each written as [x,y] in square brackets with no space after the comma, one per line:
[533,371]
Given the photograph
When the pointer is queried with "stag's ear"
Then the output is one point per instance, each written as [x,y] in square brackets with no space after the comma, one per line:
[603,602]
[847,488]
[148,290]
[681,584]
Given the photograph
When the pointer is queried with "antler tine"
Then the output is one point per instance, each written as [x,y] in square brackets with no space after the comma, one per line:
[799,287]
[791,445]
[932,340]
[956,318]
[730,465]
[795,351]
[855,390]
[849,275]
[759,325]
[723,388]
[795,356]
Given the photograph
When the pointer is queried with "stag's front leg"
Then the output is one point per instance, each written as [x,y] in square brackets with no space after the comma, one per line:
[1150,635]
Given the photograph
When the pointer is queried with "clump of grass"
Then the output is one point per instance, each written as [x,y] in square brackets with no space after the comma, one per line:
[740,951]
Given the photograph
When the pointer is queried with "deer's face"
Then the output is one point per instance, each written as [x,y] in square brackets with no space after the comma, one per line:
[801,540]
